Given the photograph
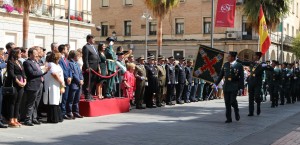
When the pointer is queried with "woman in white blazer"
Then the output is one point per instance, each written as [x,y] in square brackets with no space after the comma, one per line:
[54,87]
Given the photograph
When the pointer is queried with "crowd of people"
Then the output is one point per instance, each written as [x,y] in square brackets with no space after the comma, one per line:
[34,81]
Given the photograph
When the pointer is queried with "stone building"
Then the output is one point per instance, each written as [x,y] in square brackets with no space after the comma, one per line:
[184,28]
[48,23]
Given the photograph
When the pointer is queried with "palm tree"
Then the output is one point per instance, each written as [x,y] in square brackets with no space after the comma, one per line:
[160,9]
[26,5]
[274,10]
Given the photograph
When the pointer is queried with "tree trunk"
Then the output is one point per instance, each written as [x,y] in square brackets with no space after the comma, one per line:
[159,35]
[25,26]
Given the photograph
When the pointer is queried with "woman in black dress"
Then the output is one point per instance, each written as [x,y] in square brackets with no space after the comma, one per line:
[15,78]
[102,69]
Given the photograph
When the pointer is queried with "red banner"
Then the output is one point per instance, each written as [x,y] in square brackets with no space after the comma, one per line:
[225,13]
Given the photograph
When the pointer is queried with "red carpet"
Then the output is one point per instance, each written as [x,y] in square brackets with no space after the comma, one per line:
[103,107]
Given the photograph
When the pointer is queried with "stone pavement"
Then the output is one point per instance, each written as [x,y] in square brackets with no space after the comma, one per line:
[200,123]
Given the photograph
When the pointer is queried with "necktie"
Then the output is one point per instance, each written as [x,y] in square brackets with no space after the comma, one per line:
[66,61]
[38,66]
[95,49]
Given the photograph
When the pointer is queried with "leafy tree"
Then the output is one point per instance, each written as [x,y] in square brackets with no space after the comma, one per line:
[296,46]
[160,8]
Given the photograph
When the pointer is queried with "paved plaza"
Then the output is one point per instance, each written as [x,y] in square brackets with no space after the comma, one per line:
[200,123]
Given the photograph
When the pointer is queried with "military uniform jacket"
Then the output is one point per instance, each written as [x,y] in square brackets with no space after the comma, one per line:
[256,73]
[152,76]
[111,59]
[233,75]
[170,74]
[161,75]
[180,74]
[189,75]
[140,72]
[274,76]
[286,76]
[296,76]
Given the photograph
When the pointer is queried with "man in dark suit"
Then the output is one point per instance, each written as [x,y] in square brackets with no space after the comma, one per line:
[170,81]
[233,73]
[181,80]
[90,57]
[64,64]
[189,82]
[33,87]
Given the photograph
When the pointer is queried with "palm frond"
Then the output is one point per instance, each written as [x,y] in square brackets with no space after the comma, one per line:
[27,3]
[161,7]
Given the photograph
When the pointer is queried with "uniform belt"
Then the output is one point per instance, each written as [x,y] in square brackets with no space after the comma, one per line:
[111,60]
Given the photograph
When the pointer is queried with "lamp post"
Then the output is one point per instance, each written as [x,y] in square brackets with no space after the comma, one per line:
[148,18]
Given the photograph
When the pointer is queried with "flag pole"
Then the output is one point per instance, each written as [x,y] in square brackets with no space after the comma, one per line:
[212,25]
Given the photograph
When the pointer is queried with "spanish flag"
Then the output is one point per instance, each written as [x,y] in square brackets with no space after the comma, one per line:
[264,38]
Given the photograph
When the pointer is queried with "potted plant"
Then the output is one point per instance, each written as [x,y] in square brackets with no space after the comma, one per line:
[72,17]
[8,8]
[79,18]
[20,10]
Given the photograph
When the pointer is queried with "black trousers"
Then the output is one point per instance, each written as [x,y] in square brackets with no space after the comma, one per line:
[274,94]
[170,92]
[254,95]
[179,91]
[14,104]
[32,103]
[230,101]
[88,87]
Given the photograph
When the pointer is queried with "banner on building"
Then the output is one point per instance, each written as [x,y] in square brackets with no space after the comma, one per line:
[225,13]
[208,63]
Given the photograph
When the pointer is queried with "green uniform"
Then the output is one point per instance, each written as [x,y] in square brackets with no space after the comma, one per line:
[233,74]
[162,90]
[141,79]
[285,86]
[255,83]
[111,68]
[274,85]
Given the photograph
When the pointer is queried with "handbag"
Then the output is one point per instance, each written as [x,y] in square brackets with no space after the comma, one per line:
[8,91]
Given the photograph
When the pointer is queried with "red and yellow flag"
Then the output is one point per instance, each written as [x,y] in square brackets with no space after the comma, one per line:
[264,37]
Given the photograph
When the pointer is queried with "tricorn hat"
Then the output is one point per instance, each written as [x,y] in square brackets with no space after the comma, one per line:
[150,57]
[233,53]
[171,57]
[259,54]
[160,57]
[140,58]
[181,58]
[110,39]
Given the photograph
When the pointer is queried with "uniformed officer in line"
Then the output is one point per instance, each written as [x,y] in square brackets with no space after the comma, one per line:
[266,78]
[296,84]
[181,80]
[161,80]
[141,82]
[189,82]
[285,84]
[233,73]
[170,81]
[152,88]
[200,90]
[255,83]
[274,82]
[194,89]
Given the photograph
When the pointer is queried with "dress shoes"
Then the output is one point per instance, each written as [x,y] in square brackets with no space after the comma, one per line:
[151,106]
[180,102]
[36,122]
[250,114]
[228,121]
[28,123]
[2,125]
[159,105]
[258,111]
[67,117]
[187,101]
[140,107]
[76,115]
[237,117]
